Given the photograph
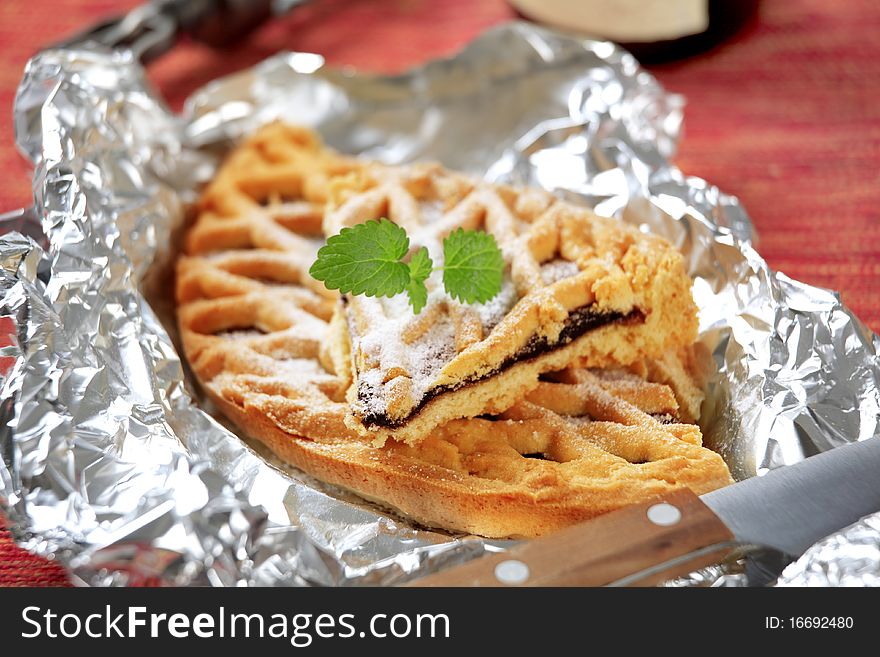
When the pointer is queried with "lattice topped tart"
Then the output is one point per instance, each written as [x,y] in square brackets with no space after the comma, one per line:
[577,288]
[555,442]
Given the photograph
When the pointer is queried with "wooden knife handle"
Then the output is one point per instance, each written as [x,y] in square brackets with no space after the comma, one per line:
[657,540]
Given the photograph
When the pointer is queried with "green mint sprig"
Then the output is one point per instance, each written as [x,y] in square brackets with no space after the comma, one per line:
[368,259]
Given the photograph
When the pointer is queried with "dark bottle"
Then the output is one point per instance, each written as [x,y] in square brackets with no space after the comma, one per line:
[652,30]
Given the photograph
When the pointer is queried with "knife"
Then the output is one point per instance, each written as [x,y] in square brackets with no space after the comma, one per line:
[787,509]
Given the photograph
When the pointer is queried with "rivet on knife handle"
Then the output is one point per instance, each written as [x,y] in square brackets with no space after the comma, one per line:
[677,530]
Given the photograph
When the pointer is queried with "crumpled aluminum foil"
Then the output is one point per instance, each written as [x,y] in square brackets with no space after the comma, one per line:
[112,467]
[822,564]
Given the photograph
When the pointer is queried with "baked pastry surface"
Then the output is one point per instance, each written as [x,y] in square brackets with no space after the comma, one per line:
[271,348]
[578,289]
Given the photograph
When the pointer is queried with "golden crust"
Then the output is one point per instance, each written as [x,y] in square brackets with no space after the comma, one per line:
[528,472]
[263,340]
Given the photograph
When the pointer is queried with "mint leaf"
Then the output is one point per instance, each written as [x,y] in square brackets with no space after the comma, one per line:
[418,295]
[420,267]
[365,259]
[474,267]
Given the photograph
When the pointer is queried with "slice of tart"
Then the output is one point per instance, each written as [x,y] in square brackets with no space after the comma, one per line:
[578,290]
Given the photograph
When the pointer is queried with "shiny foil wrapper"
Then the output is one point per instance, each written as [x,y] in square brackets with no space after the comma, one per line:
[113,467]
[850,557]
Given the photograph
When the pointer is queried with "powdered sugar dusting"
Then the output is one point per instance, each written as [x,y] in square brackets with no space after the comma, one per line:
[308,368]
[422,357]
[494,310]
[556,270]
[432,211]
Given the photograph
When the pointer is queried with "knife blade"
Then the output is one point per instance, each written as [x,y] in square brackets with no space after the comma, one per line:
[791,508]
[787,509]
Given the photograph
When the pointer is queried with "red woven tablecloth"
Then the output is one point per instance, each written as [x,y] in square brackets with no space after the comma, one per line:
[785,115]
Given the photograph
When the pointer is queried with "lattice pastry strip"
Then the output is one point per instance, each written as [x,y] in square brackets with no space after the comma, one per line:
[578,288]
[269,194]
